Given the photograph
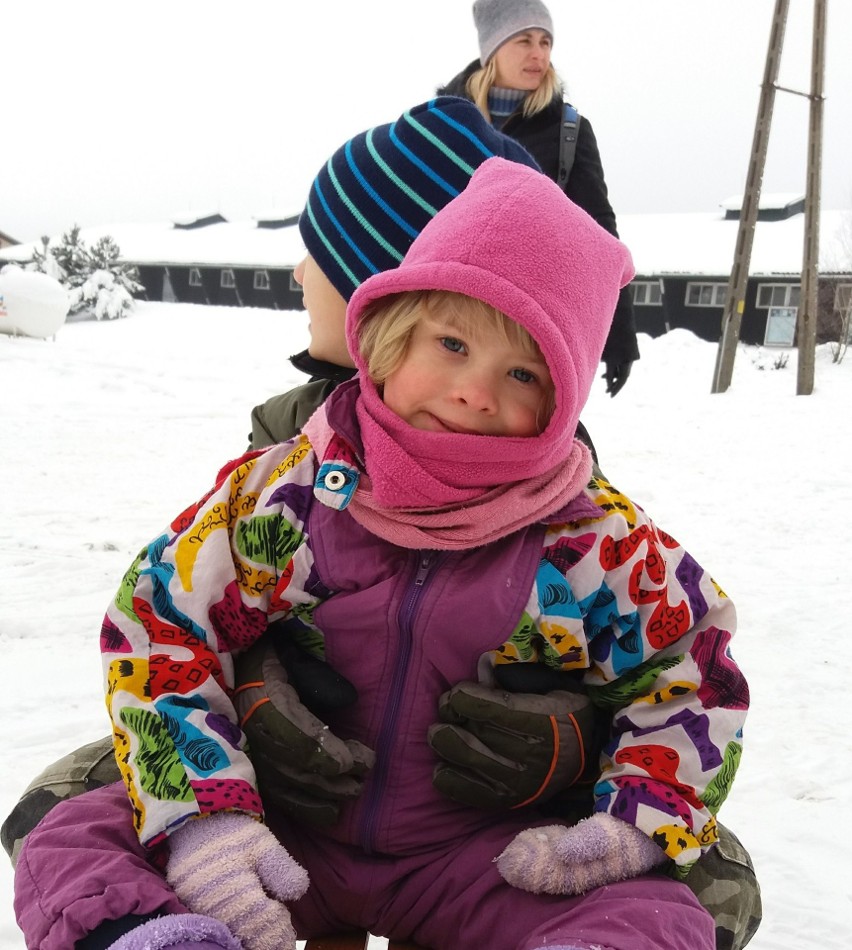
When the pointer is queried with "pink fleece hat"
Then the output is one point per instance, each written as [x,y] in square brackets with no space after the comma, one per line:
[515,241]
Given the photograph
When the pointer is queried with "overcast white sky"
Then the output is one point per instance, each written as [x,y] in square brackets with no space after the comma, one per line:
[138,111]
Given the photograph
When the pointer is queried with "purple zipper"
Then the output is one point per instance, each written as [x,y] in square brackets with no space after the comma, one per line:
[427,565]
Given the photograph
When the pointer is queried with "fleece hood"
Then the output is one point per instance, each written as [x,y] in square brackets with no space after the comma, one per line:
[515,241]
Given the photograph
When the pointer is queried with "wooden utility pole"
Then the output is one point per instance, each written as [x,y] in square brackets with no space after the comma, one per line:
[732,315]
[808,302]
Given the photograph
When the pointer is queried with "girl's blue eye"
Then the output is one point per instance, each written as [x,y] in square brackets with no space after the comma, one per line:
[452,344]
[523,375]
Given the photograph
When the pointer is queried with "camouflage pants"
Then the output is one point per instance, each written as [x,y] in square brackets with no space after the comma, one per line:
[88,767]
[723,880]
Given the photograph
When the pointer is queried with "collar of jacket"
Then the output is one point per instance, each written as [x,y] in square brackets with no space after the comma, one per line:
[456,86]
[321,369]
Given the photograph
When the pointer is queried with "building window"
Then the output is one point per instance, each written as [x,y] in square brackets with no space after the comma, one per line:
[780,326]
[295,286]
[647,293]
[194,277]
[778,295]
[226,279]
[843,298]
[706,295]
[261,280]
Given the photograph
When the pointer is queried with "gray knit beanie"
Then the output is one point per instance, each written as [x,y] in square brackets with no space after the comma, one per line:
[498,20]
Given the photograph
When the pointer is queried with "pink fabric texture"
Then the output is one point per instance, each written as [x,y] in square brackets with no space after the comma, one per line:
[513,240]
[487,516]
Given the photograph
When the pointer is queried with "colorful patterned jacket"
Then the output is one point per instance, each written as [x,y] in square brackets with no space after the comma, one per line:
[599,589]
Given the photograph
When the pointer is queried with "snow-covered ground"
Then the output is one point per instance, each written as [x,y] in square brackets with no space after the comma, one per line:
[112,428]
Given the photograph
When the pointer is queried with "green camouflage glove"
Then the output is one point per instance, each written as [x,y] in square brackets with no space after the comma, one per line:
[301,766]
[505,750]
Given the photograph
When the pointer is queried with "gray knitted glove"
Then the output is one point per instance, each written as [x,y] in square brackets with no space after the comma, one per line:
[560,860]
[177,932]
[231,867]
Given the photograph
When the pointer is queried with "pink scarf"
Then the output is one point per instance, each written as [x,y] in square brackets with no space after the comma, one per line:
[445,491]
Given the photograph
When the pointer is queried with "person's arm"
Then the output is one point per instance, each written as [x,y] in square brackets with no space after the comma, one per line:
[655,629]
[586,185]
[201,591]
[587,188]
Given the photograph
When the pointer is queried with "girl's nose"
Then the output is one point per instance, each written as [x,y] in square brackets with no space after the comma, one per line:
[476,393]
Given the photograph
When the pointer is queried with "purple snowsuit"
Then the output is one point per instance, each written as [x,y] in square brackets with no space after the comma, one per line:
[408,862]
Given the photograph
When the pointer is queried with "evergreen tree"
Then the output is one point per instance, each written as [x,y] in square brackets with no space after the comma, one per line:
[44,261]
[105,255]
[72,256]
[97,280]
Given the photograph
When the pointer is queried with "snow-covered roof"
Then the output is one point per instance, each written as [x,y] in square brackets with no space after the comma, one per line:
[771,201]
[228,244]
[703,244]
[192,220]
[700,244]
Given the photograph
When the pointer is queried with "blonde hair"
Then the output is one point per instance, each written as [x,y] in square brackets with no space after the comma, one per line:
[387,325]
[479,85]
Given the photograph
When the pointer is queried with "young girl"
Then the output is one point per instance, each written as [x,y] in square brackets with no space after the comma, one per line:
[434,521]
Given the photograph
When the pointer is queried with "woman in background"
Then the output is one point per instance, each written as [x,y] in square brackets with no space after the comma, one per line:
[515,86]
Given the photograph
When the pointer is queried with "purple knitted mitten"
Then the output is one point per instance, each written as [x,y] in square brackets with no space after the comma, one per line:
[227,866]
[561,860]
[178,932]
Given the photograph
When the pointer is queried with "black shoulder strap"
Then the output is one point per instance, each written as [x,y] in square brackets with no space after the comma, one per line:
[567,141]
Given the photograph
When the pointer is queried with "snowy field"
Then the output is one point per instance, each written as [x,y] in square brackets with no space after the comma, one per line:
[108,431]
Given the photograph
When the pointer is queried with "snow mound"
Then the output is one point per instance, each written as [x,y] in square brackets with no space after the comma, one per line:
[31,304]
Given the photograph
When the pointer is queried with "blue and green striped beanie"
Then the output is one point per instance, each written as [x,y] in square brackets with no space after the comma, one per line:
[379,190]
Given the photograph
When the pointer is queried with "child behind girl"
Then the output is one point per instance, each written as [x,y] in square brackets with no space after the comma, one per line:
[436,519]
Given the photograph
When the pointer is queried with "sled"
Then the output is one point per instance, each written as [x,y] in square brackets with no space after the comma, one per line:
[357,940]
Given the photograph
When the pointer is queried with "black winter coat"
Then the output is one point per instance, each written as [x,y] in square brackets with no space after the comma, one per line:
[586,187]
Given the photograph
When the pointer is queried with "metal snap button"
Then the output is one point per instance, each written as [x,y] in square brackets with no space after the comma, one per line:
[334,481]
